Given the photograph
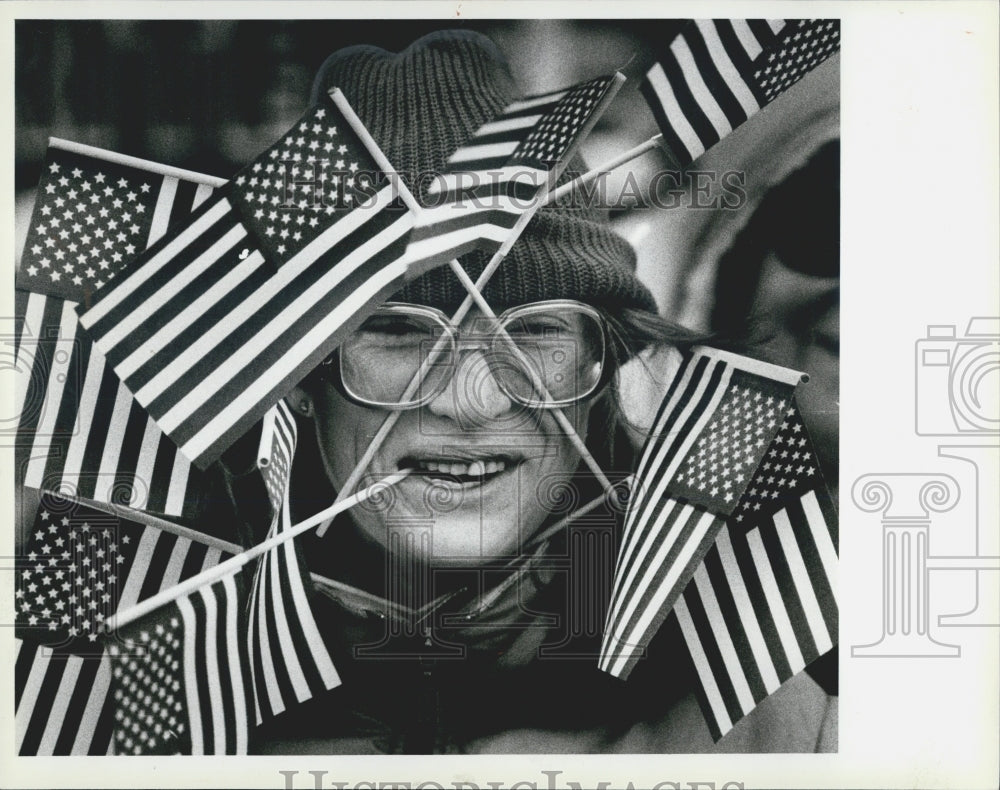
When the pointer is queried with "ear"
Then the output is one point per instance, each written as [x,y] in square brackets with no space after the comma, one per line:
[301,401]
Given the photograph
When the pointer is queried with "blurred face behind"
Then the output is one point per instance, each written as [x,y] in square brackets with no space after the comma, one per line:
[800,316]
[482,463]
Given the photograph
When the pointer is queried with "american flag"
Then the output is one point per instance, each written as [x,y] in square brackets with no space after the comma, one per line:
[717,73]
[82,563]
[221,318]
[762,606]
[710,434]
[181,676]
[290,660]
[96,211]
[495,178]
[79,429]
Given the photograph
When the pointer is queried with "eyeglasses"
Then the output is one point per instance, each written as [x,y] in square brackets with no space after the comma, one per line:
[543,355]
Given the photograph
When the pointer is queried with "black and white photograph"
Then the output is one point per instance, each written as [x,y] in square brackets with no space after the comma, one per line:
[458,383]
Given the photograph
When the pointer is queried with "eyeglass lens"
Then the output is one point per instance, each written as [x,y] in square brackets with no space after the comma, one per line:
[548,356]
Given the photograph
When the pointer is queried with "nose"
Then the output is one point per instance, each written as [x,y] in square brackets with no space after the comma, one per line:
[472,394]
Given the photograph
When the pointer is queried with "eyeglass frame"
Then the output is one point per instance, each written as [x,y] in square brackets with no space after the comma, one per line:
[330,369]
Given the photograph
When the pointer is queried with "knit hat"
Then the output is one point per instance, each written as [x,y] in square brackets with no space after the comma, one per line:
[420,105]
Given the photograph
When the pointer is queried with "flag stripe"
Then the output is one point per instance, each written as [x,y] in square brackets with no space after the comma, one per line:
[89,404]
[695,74]
[703,668]
[729,577]
[292,364]
[201,194]
[747,38]
[57,377]
[211,668]
[76,705]
[24,655]
[211,246]
[145,465]
[183,205]
[819,530]
[802,582]
[162,292]
[741,47]
[124,289]
[688,103]
[130,448]
[261,642]
[794,606]
[699,531]
[130,591]
[678,134]
[722,638]
[60,703]
[692,411]
[236,669]
[250,272]
[192,674]
[175,563]
[37,700]
[775,603]
[213,556]
[24,712]
[534,103]
[95,725]
[303,612]
[180,476]
[112,442]
[761,605]
[289,655]
[728,614]
[729,73]
[159,556]
[161,212]
[499,151]
[228,350]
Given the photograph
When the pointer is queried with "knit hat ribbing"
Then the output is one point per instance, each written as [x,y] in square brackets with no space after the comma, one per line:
[420,105]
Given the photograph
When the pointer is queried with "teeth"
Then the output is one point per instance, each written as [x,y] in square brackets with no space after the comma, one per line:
[475,469]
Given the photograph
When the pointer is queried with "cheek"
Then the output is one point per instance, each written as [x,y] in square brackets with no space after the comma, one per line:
[343,430]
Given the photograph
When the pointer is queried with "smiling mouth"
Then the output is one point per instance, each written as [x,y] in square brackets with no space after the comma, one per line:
[460,471]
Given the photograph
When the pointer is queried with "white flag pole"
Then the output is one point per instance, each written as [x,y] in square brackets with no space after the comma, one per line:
[605,167]
[233,564]
[470,301]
